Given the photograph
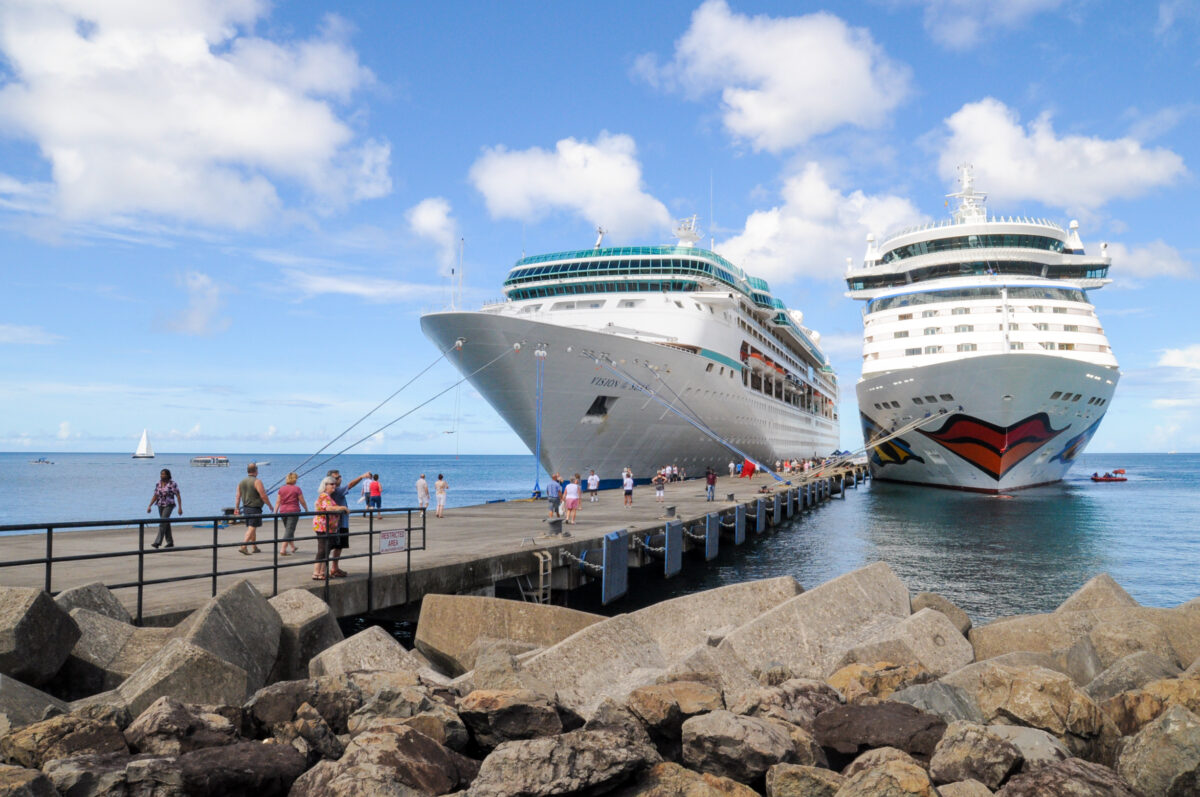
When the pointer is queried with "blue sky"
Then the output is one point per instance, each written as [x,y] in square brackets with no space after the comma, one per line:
[221,221]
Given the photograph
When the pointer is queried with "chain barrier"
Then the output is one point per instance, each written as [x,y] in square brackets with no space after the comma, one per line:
[587,567]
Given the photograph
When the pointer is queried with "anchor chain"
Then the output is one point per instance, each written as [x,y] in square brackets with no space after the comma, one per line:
[587,567]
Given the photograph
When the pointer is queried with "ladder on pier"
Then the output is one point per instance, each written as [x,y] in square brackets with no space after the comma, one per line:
[540,593]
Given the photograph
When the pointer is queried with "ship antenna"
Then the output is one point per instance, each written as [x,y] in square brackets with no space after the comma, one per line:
[970,202]
[688,232]
[600,233]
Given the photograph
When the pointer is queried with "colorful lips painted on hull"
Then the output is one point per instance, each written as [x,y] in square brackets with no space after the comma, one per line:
[995,450]
[894,452]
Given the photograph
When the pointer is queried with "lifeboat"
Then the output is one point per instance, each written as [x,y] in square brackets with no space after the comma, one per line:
[757,362]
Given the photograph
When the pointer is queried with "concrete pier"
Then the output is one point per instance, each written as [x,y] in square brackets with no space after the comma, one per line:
[470,550]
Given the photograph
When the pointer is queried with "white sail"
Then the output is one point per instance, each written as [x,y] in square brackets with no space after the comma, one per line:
[144,451]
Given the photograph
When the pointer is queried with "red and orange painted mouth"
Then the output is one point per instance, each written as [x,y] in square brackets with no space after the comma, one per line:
[995,450]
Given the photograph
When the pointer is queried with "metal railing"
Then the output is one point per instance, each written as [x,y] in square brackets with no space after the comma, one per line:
[381,526]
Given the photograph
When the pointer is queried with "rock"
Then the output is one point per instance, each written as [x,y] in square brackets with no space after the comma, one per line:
[798,780]
[891,779]
[1101,592]
[1131,710]
[105,707]
[964,788]
[1124,636]
[616,718]
[583,761]
[1132,672]
[847,731]
[1073,777]
[664,707]
[311,736]
[879,680]
[60,737]
[968,751]
[798,701]
[249,768]
[335,697]
[168,727]
[877,757]
[186,672]
[927,639]
[36,635]
[90,775]
[734,746]
[22,782]
[334,779]
[238,626]
[495,717]
[308,627]
[21,704]
[1038,748]
[931,600]
[718,668]
[1164,756]
[94,597]
[948,702]
[415,707]
[450,625]
[1038,698]
[369,649]
[671,780]
[90,667]
[497,668]
[811,632]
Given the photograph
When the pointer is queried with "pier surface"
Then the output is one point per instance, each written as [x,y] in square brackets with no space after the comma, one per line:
[472,548]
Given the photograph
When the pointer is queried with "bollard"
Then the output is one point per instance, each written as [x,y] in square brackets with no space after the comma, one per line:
[670,511]
[731,497]
[556,527]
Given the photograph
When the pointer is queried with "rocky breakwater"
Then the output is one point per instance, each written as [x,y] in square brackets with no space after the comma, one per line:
[853,688]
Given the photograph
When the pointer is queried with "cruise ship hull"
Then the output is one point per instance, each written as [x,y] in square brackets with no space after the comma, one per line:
[594,419]
[999,431]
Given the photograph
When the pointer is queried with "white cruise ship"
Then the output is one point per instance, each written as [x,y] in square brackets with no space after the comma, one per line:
[653,355]
[982,327]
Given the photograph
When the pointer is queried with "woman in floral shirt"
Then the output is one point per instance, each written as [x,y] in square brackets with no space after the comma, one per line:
[166,494]
[323,525]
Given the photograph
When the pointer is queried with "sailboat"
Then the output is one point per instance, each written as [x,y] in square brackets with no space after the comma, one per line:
[144,451]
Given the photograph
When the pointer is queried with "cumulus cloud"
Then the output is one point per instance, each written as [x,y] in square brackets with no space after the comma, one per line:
[372,289]
[782,80]
[1077,173]
[176,111]
[814,229]
[599,182]
[201,315]
[961,24]
[1187,358]
[64,430]
[430,219]
[1155,259]
[18,334]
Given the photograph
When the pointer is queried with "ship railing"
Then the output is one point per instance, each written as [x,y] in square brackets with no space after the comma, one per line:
[389,531]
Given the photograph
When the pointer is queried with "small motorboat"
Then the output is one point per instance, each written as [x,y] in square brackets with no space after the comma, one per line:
[40,461]
[1116,476]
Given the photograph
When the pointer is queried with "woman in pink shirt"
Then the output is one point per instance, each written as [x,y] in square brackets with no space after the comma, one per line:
[291,499]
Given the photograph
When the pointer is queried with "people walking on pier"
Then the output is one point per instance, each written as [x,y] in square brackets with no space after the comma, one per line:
[553,496]
[571,495]
[288,502]
[249,500]
[593,485]
[439,488]
[374,492]
[340,540]
[627,487]
[732,467]
[422,492]
[659,481]
[324,526]
[166,494]
[710,485]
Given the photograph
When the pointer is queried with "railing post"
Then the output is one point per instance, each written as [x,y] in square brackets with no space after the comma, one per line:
[275,560]
[49,558]
[141,568]
[370,562]
[215,542]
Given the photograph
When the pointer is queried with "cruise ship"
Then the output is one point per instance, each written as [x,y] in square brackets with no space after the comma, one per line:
[638,357]
[981,349]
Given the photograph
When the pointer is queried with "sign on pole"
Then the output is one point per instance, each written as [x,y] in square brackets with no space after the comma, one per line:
[392,541]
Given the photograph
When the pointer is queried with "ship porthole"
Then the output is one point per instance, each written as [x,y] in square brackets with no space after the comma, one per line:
[1008,398]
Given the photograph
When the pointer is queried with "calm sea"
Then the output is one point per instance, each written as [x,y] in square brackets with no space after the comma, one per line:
[991,556]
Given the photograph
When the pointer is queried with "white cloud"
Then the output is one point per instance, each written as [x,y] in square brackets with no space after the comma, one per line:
[783,80]
[200,317]
[175,110]
[15,333]
[1155,259]
[430,219]
[600,182]
[1077,173]
[960,24]
[1187,358]
[64,430]
[372,289]
[814,229]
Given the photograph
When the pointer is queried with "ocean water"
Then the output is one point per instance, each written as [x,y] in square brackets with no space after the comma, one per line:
[992,556]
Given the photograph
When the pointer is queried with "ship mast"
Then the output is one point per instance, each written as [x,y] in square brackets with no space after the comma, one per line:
[688,232]
[970,202]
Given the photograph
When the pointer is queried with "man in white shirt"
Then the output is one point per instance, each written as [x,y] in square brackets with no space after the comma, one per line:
[422,492]
[593,487]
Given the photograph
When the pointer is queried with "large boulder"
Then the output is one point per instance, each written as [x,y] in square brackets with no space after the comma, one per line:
[60,737]
[186,672]
[495,717]
[1132,710]
[798,701]
[36,635]
[893,778]
[21,704]
[1100,592]
[1132,672]
[847,731]
[663,708]
[811,632]
[169,727]
[94,597]
[583,762]
[449,626]
[801,780]
[718,668]
[670,779]
[1164,756]
[1038,748]
[400,754]
[369,649]
[250,768]
[968,751]
[735,746]
[238,626]
[311,736]
[878,680]
[931,600]
[927,639]
[108,652]
[1073,777]
[308,627]
[948,702]
[22,782]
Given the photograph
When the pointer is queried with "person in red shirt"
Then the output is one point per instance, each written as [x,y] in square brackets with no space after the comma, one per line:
[374,492]
[289,502]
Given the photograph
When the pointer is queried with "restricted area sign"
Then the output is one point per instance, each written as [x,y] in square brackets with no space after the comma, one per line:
[392,541]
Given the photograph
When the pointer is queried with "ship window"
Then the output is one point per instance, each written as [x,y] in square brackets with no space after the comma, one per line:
[896,404]
[901,334]
[1092,400]
[961,311]
[877,406]
[708,370]
[1060,310]
[964,328]
[912,352]
[1066,346]
[917,400]
[563,306]
[933,349]
[1042,327]
[1070,328]
[1036,308]
[932,330]
[595,305]
[931,399]
[1055,395]
[967,347]
[1049,346]
[928,313]
[599,409]
[679,304]
[1016,346]
[905,316]
[630,302]
[1077,397]
[947,397]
